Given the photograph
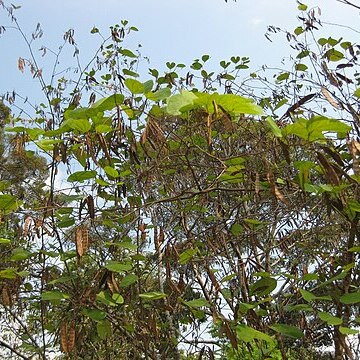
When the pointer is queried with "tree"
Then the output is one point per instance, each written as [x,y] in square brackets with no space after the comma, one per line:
[196,204]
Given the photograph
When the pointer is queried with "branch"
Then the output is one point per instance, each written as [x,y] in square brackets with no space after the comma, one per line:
[346,2]
[4,344]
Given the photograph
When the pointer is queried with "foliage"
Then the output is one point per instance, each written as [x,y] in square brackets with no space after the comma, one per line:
[193,204]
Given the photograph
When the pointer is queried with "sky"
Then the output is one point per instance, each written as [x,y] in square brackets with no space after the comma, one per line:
[169,30]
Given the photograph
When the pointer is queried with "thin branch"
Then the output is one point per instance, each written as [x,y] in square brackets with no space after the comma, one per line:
[5,345]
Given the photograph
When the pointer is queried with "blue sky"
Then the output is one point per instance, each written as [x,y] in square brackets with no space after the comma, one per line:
[177,31]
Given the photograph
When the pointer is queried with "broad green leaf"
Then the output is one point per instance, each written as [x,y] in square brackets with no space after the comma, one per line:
[117,298]
[354,205]
[176,102]
[66,222]
[236,229]
[134,86]
[4,241]
[103,329]
[320,124]
[187,255]
[248,334]
[197,302]
[237,105]
[129,280]
[105,298]
[274,128]
[348,331]
[307,295]
[334,55]
[302,7]
[148,85]
[330,319]
[159,95]
[310,277]
[154,295]
[82,176]
[103,128]
[106,104]
[288,330]
[263,286]
[127,53]
[54,295]
[283,76]
[357,93]
[19,254]
[94,314]
[118,266]
[301,67]
[81,125]
[9,202]
[8,273]
[111,172]
[350,298]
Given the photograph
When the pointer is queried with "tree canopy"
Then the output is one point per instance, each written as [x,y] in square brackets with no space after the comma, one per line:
[190,214]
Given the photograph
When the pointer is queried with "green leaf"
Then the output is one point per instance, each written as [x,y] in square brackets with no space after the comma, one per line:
[54,295]
[129,280]
[237,105]
[154,295]
[274,128]
[19,254]
[334,55]
[283,76]
[134,86]
[348,331]
[118,266]
[103,329]
[127,53]
[263,286]
[118,298]
[357,93]
[302,7]
[248,334]
[307,295]
[187,255]
[159,95]
[94,314]
[106,104]
[4,241]
[288,330]
[236,229]
[301,67]
[105,298]
[8,273]
[350,298]
[197,303]
[176,102]
[9,202]
[103,128]
[81,125]
[111,172]
[82,176]
[329,319]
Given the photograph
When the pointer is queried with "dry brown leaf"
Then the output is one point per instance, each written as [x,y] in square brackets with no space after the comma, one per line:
[64,337]
[354,150]
[329,98]
[21,64]
[330,173]
[81,240]
[26,228]
[274,189]
[6,298]
[91,207]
